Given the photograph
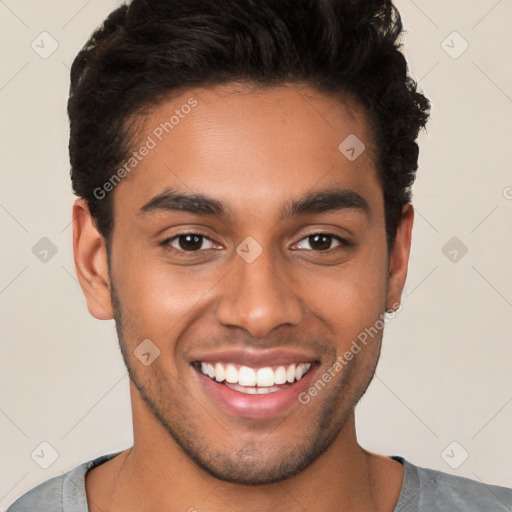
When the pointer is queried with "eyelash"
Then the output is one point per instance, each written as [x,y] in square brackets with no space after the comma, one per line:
[166,243]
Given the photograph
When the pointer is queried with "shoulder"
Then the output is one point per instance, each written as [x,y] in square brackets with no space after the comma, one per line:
[45,497]
[442,491]
[62,493]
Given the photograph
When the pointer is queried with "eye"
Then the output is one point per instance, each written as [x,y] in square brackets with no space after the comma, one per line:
[189,242]
[321,242]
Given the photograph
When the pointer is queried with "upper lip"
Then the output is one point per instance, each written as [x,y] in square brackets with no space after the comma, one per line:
[255,358]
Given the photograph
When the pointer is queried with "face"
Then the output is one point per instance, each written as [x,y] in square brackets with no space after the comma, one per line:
[252,253]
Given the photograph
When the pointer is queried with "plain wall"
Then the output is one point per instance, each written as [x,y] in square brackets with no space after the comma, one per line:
[444,375]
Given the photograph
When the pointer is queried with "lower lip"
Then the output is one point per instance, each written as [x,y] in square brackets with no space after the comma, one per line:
[255,406]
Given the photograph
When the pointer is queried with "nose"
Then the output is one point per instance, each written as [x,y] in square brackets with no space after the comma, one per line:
[257,297]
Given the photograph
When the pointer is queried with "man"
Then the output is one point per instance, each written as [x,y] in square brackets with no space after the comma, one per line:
[243,171]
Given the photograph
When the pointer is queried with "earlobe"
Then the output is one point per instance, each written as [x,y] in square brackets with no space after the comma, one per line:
[399,257]
[90,255]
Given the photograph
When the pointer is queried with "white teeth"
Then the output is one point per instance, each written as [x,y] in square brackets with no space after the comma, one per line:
[265,377]
[246,376]
[231,374]
[301,370]
[249,390]
[261,380]
[265,391]
[280,375]
[253,390]
[219,372]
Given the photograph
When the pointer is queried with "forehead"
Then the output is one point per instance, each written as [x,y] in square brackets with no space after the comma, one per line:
[237,142]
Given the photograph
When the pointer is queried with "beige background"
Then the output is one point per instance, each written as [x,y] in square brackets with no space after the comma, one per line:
[444,375]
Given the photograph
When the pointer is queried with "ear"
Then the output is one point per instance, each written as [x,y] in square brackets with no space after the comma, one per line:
[399,258]
[91,264]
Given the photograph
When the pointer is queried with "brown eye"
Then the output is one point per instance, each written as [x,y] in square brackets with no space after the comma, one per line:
[189,242]
[321,242]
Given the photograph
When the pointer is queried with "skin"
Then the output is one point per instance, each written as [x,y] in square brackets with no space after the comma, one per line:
[253,150]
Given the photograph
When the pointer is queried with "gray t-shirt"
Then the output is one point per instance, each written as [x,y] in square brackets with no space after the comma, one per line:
[423,490]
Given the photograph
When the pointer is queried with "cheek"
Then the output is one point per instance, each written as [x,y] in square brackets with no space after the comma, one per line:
[158,299]
[352,296]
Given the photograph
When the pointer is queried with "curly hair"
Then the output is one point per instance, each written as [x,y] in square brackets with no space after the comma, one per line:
[149,48]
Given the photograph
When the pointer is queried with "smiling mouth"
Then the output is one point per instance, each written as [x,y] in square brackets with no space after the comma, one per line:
[254,381]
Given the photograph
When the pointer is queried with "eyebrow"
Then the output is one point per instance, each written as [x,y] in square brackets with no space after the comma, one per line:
[320,201]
